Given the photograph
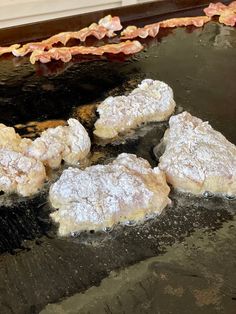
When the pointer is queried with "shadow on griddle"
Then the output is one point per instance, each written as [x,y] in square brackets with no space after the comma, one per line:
[53,98]
[22,219]
[55,68]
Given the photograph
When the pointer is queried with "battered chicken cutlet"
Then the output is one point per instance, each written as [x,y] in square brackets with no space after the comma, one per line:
[151,101]
[22,160]
[197,158]
[103,195]
[70,143]
[11,140]
[19,173]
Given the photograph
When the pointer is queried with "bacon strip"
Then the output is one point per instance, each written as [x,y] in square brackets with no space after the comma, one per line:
[132,31]
[227,14]
[197,21]
[105,27]
[215,9]
[9,49]
[65,53]
[152,29]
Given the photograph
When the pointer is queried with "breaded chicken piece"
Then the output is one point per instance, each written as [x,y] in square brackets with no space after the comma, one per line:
[103,195]
[70,143]
[19,173]
[151,101]
[197,158]
[11,140]
[21,160]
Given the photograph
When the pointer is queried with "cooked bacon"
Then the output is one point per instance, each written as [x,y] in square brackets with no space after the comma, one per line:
[25,49]
[232,5]
[65,53]
[153,29]
[227,14]
[105,27]
[215,9]
[228,18]
[132,31]
[197,21]
[111,23]
[9,49]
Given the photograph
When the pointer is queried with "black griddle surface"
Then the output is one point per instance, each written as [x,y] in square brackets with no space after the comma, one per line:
[36,266]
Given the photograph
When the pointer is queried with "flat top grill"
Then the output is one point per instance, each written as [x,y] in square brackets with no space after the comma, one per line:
[36,266]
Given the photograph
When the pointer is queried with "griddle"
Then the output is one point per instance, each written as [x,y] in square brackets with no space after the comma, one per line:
[36,266]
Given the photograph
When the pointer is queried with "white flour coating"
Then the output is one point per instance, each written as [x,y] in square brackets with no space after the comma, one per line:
[197,158]
[19,173]
[12,140]
[21,160]
[102,195]
[151,101]
[70,143]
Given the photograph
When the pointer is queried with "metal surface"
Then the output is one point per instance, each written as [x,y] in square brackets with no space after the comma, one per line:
[188,278]
[36,266]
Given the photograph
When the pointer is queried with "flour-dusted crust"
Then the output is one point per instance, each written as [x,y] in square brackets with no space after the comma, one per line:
[19,173]
[103,195]
[70,143]
[11,140]
[197,158]
[22,160]
[151,101]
